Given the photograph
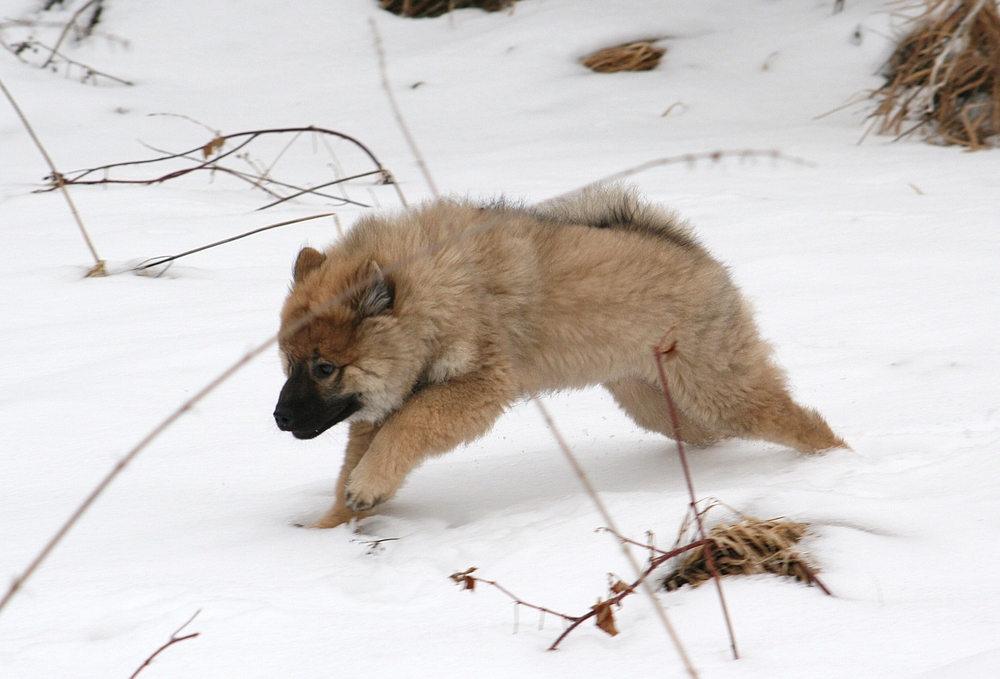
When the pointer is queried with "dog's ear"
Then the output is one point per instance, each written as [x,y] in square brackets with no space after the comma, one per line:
[376,295]
[307,260]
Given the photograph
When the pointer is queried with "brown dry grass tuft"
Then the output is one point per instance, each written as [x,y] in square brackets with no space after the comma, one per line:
[748,547]
[419,9]
[633,56]
[944,76]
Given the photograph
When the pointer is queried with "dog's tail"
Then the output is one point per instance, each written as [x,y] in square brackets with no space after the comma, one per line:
[619,207]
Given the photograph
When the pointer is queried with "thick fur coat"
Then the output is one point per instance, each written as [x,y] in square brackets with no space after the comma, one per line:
[423,327]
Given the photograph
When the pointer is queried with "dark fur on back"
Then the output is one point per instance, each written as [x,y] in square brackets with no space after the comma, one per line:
[617,207]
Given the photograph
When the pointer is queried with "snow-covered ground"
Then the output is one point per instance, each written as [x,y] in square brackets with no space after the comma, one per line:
[875,273]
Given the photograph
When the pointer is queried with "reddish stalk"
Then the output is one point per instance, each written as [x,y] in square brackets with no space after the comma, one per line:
[210,162]
[659,351]
[468,581]
[174,639]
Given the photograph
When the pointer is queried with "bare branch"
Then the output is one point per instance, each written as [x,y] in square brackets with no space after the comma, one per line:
[209,161]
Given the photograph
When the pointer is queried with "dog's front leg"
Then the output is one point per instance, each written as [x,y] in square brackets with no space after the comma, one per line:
[358,442]
[433,421]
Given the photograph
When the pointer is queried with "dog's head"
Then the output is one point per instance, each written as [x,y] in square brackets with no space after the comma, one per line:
[341,345]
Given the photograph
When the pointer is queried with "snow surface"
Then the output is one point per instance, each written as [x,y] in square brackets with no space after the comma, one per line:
[874,272]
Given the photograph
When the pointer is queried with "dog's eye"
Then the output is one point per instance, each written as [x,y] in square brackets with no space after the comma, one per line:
[323,370]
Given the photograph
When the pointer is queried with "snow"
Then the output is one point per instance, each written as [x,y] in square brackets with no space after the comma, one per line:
[873,271]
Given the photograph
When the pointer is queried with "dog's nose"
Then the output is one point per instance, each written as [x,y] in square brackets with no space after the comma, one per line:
[283,417]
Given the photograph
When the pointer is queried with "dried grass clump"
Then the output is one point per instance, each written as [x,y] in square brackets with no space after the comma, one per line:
[748,547]
[633,56]
[945,76]
[419,9]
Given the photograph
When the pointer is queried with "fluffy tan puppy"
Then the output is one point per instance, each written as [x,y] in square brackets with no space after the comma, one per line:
[423,327]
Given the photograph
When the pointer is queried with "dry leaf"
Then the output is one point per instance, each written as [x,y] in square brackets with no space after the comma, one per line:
[618,587]
[212,147]
[605,617]
[465,579]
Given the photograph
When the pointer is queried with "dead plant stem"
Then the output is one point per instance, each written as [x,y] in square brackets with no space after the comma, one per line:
[174,639]
[336,182]
[659,352]
[67,29]
[98,268]
[690,159]
[159,261]
[398,113]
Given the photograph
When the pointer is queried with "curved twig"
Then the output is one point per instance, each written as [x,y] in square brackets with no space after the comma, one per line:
[322,186]
[159,261]
[174,639]
[252,134]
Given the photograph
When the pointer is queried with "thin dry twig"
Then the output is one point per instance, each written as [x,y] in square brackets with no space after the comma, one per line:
[99,267]
[690,159]
[90,74]
[174,639]
[206,158]
[53,57]
[468,581]
[314,189]
[380,51]
[667,348]
[69,26]
[619,590]
[159,261]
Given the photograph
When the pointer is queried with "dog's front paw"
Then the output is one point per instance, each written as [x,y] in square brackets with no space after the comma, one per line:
[364,491]
[362,502]
[337,517]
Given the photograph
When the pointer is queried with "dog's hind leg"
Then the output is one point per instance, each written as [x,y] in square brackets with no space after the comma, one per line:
[647,407]
[359,439]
